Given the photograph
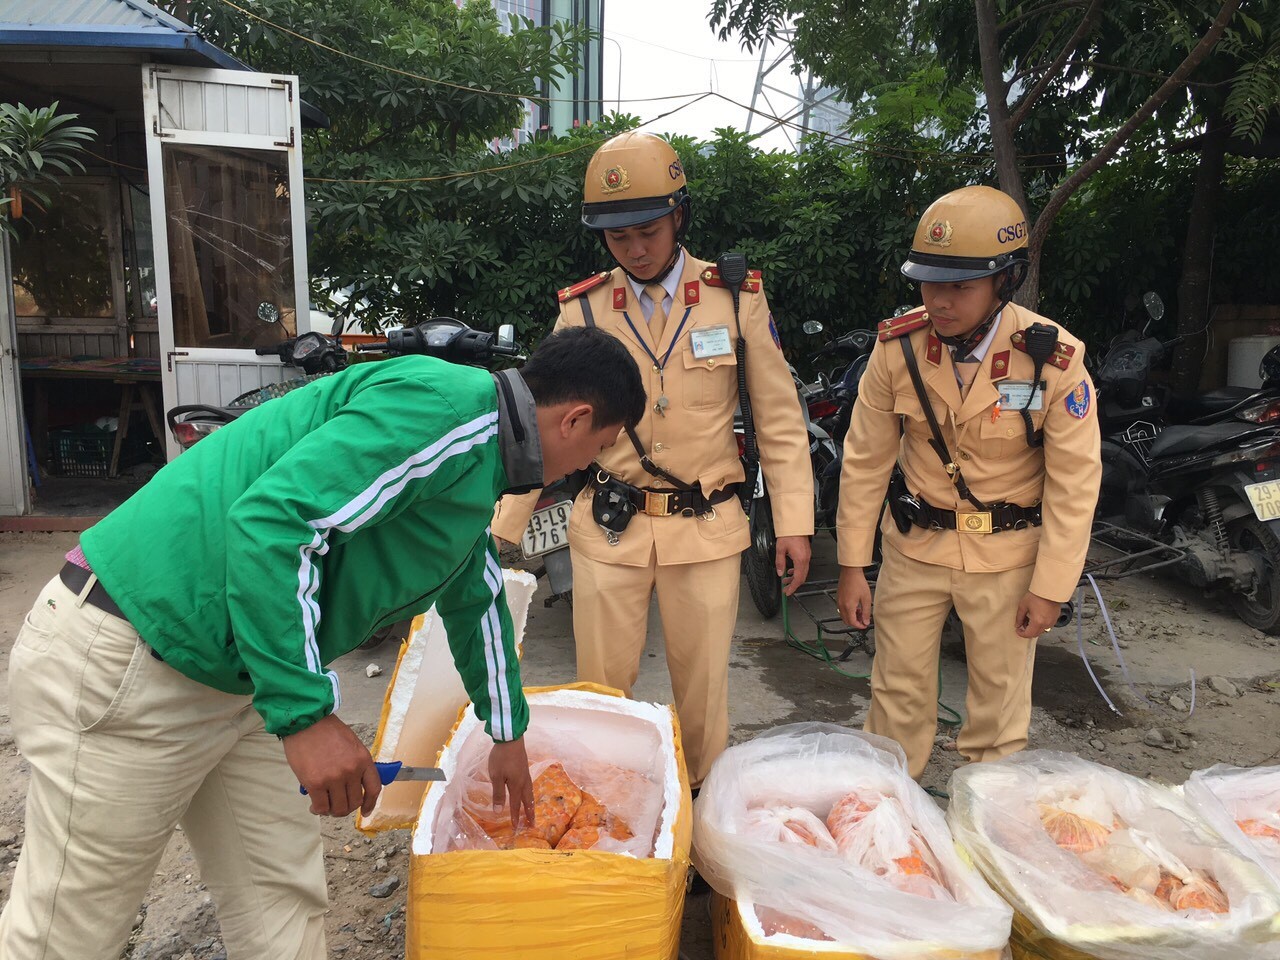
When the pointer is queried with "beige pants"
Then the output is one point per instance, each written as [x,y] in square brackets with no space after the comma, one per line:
[912,600]
[122,749]
[698,603]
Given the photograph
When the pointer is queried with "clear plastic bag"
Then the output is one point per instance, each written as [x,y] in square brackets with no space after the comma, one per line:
[582,801]
[1108,864]
[796,886]
[1242,804]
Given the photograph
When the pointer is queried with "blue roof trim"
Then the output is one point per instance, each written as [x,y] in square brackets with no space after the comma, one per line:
[115,37]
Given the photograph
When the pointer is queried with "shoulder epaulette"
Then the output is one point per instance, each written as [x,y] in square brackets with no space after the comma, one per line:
[1062,353]
[907,323]
[711,277]
[582,286]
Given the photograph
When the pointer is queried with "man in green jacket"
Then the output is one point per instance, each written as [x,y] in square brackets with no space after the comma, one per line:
[175,671]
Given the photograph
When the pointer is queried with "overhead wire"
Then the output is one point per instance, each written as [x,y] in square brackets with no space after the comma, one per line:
[903,154]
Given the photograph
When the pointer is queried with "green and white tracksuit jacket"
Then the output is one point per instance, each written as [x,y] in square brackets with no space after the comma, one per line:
[285,539]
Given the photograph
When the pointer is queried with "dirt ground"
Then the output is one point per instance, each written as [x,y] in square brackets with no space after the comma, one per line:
[1167,633]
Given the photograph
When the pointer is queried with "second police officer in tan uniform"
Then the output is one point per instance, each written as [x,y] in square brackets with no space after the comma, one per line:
[677,318]
[995,512]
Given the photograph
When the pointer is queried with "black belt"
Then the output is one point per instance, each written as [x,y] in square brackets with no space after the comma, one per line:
[667,503]
[74,578]
[997,517]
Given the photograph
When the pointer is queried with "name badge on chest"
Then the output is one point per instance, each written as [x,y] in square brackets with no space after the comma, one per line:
[711,342]
[1014,393]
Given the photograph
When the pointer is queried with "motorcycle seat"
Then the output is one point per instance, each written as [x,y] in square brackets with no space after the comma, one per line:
[1190,439]
[1207,403]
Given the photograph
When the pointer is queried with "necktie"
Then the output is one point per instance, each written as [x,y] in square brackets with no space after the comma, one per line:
[968,370]
[658,319]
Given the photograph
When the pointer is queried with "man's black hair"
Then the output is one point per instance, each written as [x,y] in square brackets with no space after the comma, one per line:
[587,365]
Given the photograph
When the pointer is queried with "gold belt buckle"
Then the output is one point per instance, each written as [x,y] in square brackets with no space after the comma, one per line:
[659,504]
[974,522]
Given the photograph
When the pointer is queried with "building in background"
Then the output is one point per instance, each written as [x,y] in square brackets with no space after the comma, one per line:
[576,98]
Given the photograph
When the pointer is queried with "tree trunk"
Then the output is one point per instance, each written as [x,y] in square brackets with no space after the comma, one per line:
[997,92]
[1028,294]
[1197,253]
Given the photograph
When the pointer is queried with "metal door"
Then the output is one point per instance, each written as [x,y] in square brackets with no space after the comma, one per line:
[224,159]
[14,486]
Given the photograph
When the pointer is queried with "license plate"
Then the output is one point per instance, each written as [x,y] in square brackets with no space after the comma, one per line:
[1265,498]
[548,530]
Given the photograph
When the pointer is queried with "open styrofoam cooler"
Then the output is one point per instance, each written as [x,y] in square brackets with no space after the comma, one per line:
[467,904]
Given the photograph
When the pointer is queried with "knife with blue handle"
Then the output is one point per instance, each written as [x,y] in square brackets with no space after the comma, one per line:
[392,770]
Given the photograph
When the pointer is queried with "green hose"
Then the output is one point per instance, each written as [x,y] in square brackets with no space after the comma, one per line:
[946,715]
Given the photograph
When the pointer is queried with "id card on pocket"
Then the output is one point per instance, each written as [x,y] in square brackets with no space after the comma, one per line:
[711,342]
[1014,393]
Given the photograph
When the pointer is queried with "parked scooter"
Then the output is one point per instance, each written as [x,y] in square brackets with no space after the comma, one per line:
[1209,489]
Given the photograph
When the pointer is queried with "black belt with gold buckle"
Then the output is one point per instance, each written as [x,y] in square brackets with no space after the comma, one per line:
[669,503]
[997,518]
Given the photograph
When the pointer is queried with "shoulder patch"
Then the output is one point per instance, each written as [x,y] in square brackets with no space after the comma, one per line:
[581,287]
[907,323]
[1077,401]
[711,277]
[1062,353]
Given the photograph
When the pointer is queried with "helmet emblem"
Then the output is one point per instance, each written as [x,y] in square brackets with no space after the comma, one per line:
[614,180]
[676,170]
[939,233]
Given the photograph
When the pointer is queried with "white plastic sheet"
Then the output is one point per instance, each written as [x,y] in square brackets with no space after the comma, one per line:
[813,767]
[1103,896]
[1242,804]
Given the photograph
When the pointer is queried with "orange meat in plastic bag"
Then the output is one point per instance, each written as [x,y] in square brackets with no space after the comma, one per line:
[556,799]
[1198,893]
[1072,832]
[1258,828]
[847,814]
[591,822]
[775,922]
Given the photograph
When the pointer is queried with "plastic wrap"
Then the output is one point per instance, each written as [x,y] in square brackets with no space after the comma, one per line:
[1106,864]
[813,888]
[1242,804]
[579,804]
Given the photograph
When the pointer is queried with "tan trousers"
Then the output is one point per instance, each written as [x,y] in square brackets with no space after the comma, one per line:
[698,603]
[122,749]
[912,600]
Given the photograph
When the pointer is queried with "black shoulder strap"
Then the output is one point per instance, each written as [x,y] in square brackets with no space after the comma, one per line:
[652,468]
[939,445]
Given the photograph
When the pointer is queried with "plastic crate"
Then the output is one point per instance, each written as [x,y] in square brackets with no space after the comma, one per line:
[81,453]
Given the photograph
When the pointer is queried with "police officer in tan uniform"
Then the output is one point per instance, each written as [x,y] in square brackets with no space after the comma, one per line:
[994,509]
[688,530]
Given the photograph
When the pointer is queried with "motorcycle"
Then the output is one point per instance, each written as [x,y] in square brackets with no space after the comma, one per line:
[1208,489]
[318,355]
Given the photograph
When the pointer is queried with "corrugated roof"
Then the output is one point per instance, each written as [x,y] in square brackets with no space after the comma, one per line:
[135,14]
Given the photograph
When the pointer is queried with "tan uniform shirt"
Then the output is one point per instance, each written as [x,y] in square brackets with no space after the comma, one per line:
[989,444]
[694,441]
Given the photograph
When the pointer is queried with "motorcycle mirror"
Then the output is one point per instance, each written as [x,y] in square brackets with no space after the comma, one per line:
[1155,306]
[336,330]
[811,327]
[507,335]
